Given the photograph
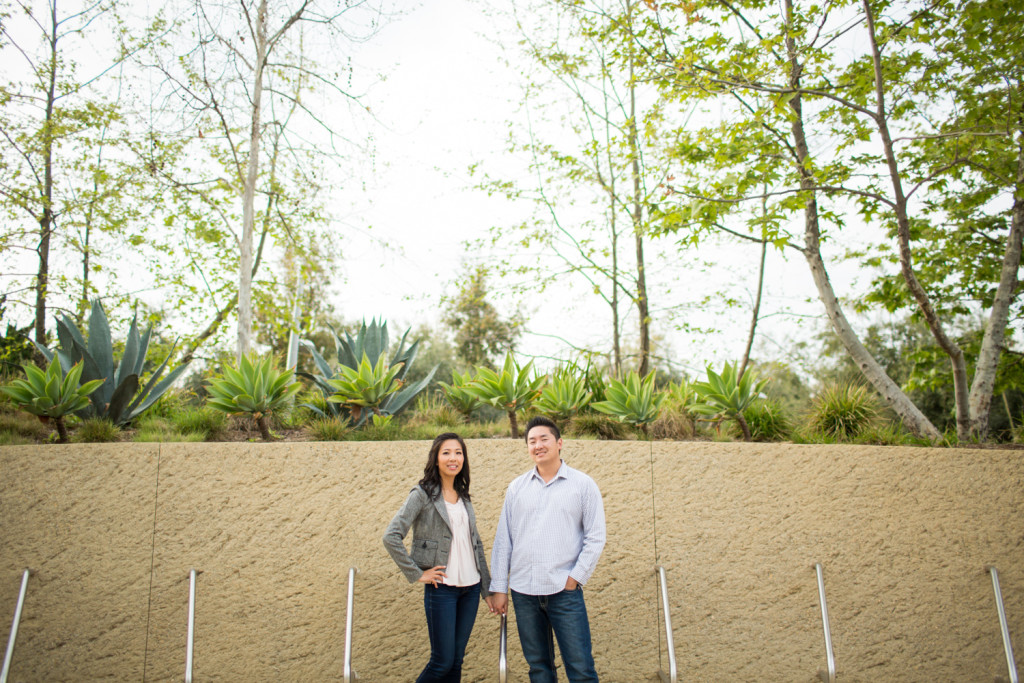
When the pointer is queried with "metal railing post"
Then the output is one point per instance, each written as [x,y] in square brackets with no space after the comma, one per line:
[349,675]
[673,674]
[830,675]
[503,650]
[14,627]
[1011,665]
[191,638]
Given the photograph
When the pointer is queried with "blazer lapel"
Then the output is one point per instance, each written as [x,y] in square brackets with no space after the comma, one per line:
[442,510]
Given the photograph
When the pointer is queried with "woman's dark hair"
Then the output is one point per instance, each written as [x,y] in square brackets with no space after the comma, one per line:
[431,481]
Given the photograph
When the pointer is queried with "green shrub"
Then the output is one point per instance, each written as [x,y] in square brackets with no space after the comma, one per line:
[51,394]
[565,395]
[767,421]
[330,429]
[633,400]
[511,389]
[890,434]
[436,412]
[97,430]
[151,428]
[458,397]
[842,411]
[8,438]
[728,395]
[595,425]
[205,421]
[256,387]
[24,426]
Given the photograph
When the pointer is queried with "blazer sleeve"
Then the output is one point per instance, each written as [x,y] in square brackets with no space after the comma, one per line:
[399,528]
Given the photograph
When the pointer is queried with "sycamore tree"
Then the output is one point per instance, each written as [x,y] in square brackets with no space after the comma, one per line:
[829,107]
[63,136]
[255,119]
[589,136]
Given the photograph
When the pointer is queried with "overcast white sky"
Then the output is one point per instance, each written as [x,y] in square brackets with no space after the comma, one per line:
[445,105]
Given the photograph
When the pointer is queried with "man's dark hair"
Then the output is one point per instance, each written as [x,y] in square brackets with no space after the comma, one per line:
[541,421]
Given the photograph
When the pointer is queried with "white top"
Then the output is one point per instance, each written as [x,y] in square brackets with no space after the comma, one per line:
[461,569]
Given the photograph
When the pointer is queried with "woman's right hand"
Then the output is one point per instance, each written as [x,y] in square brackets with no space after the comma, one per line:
[433,575]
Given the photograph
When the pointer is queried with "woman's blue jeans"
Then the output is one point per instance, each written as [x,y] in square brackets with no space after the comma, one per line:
[451,612]
[566,614]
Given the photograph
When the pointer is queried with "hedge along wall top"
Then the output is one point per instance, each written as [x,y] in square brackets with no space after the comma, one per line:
[110,532]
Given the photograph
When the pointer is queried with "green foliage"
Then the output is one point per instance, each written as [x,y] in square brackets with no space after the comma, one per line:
[596,425]
[256,387]
[330,429]
[458,395]
[676,421]
[50,395]
[512,389]
[632,400]
[122,396]
[727,395]
[358,387]
[436,411]
[767,421]
[152,428]
[364,388]
[206,421]
[97,430]
[565,395]
[842,411]
[480,331]
[15,347]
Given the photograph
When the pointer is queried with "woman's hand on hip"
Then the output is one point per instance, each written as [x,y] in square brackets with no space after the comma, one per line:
[433,575]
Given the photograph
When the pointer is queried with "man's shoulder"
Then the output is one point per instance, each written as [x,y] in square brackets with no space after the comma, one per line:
[520,480]
[572,472]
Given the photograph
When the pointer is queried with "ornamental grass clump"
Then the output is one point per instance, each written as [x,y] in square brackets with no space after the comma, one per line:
[254,388]
[767,421]
[842,411]
[51,395]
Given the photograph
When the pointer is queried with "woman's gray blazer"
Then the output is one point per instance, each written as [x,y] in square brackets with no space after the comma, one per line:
[431,537]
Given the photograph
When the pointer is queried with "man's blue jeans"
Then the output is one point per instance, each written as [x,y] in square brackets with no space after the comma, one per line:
[451,611]
[565,614]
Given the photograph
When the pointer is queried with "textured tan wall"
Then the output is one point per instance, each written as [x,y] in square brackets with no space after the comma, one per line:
[110,532]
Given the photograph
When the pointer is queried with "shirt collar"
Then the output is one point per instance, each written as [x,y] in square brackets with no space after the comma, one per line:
[560,474]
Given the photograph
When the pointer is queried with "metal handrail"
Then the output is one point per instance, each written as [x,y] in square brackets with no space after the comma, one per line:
[1011,664]
[191,638]
[503,650]
[673,674]
[14,627]
[349,675]
[830,675]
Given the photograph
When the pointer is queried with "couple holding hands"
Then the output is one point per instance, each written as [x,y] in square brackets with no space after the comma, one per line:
[550,535]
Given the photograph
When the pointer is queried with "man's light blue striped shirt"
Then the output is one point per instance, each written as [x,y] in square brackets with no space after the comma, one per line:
[547,532]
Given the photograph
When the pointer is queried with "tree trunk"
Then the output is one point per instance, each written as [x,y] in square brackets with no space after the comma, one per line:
[263,422]
[757,301]
[744,427]
[643,310]
[955,353]
[46,217]
[249,189]
[513,423]
[995,328]
[62,429]
[894,397]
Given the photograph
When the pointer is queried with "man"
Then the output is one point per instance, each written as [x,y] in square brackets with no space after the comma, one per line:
[550,535]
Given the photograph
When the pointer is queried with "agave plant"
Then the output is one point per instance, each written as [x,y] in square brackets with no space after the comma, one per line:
[366,387]
[457,394]
[371,341]
[512,389]
[632,400]
[121,397]
[256,387]
[51,396]
[727,395]
[564,396]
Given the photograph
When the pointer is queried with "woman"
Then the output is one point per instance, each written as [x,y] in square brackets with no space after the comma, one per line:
[447,555]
